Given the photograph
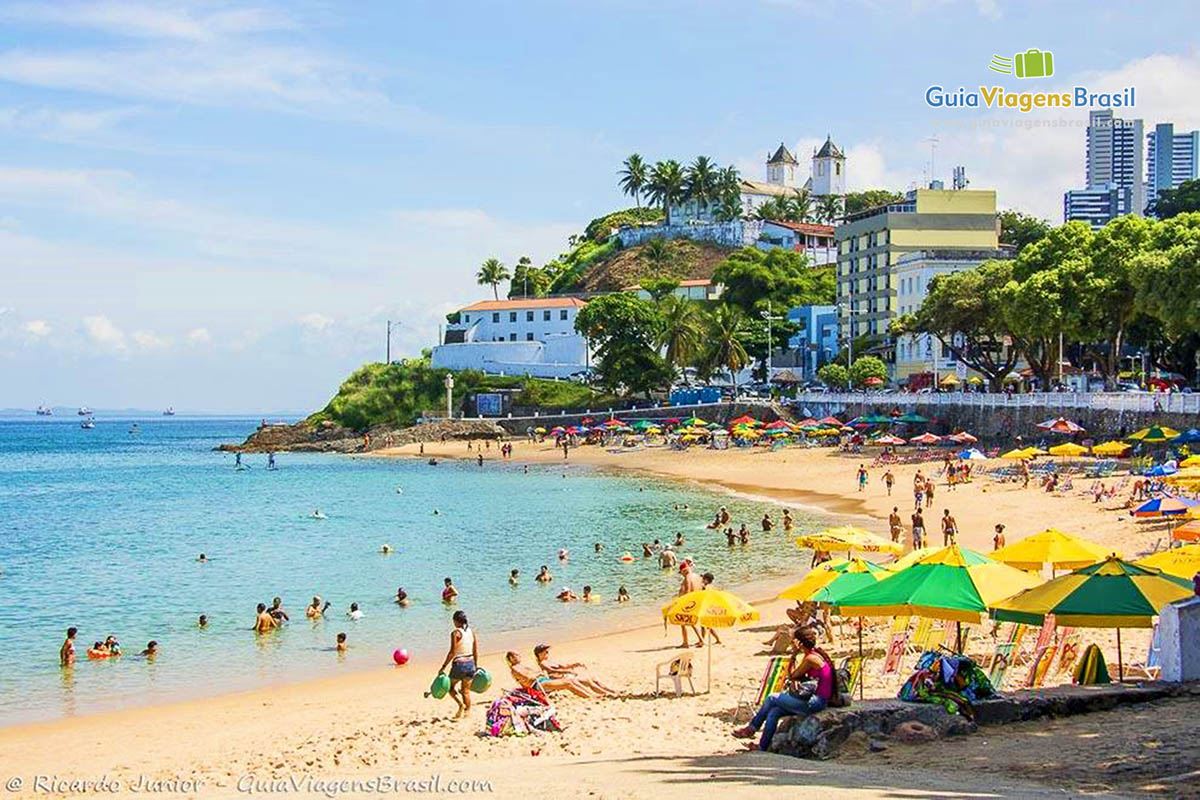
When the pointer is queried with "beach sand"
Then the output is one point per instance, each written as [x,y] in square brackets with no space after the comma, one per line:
[376,723]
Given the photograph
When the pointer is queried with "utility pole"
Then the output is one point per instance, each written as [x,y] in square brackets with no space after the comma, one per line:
[766,315]
[449,395]
[389,342]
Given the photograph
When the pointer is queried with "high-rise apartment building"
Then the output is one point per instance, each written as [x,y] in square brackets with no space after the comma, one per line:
[1171,158]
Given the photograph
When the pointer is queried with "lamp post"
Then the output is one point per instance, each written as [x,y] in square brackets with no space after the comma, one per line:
[449,395]
[389,342]
[850,338]
[767,318]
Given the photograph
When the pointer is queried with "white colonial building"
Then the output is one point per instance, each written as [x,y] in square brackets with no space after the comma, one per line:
[533,337]
[815,241]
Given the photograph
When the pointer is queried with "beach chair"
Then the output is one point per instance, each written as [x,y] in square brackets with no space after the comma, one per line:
[1042,661]
[854,666]
[923,637]
[1068,651]
[774,680]
[678,670]
[896,646]
[1152,668]
[1001,660]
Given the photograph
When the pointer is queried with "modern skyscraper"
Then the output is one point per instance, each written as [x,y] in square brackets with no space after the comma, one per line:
[1113,162]
[1171,158]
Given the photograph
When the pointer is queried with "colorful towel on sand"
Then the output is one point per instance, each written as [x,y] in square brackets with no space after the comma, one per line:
[521,712]
[951,681]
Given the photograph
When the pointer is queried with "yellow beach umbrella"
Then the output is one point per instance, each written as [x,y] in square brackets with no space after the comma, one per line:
[1016,455]
[842,575]
[1112,449]
[1187,475]
[709,608]
[1190,461]
[1182,562]
[950,380]
[1069,449]
[848,538]
[1051,546]
[1035,451]
[908,559]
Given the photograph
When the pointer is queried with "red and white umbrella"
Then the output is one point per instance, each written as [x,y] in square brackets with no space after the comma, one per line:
[889,439]
[925,438]
[963,438]
[1061,425]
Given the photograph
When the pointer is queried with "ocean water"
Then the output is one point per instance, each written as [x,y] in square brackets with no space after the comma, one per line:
[101,529]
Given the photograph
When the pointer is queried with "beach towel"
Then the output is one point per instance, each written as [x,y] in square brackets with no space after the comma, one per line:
[1091,669]
[521,712]
[950,681]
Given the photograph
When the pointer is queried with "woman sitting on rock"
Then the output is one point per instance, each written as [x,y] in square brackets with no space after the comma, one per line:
[803,696]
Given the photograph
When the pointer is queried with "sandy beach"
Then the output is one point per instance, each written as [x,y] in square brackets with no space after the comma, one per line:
[366,725]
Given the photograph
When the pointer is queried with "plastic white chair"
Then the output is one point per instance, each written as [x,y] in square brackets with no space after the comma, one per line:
[678,670]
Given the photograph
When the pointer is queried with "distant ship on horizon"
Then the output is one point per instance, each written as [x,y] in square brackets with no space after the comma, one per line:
[170,412]
[44,411]
[84,412]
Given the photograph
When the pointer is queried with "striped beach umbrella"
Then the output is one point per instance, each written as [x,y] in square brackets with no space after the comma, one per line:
[830,581]
[1155,434]
[1061,425]
[1111,594]
[1165,506]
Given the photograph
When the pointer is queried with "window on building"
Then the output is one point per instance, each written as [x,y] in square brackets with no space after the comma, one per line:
[562,315]
[529,316]
[512,337]
[512,316]
[496,316]
[529,336]
[545,316]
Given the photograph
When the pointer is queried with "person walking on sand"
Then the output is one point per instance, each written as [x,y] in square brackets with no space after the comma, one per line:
[691,582]
[888,480]
[462,657]
[919,490]
[918,530]
[66,653]
[862,477]
[1024,473]
[998,539]
[928,492]
[895,523]
[949,528]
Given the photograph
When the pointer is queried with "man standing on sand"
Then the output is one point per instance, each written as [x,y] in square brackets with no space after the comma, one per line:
[66,653]
[888,480]
[895,523]
[862,477]
[998,539]
[919,489]
[691,583]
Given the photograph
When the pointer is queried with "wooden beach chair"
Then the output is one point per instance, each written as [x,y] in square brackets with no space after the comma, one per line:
[1068,650]
[896,646]
[922,638]
[774,680]
[677,670]
[1043,660]
[854,666]
[1001,660]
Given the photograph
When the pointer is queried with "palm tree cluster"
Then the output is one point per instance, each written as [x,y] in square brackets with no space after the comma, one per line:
[711,341]
[668,183]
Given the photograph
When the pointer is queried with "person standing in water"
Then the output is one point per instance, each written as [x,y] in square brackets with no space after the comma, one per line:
[264,622]
[66,653]
[461,658]
[449,594]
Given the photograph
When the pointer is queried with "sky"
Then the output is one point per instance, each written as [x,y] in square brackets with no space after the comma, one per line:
[217,205]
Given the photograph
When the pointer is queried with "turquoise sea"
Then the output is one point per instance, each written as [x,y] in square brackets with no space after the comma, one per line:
[101,529]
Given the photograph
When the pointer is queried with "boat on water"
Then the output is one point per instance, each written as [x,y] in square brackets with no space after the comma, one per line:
[88,424]
[170,412]
[84,412]
[44,411]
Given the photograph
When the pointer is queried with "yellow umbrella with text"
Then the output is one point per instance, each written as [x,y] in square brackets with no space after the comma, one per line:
[709,608]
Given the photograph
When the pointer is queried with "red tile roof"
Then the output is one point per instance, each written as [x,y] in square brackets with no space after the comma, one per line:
[533,302]
[804,227]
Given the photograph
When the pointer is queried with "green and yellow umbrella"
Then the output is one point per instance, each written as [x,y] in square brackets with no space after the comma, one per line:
[913,556]
[952,583]
[848,538]
[1155,434]
[709,608]
[829,581]
[1111,594]
[1051,546]
[1182,562]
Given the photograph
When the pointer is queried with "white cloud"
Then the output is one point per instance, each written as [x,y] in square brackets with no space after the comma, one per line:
[316,322]
[198,336]
[102,332]
[150,341]
[37,328]
[55,123]
[196,22]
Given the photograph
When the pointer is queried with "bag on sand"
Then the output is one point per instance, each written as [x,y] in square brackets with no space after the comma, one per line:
[841,688]
[1091,669]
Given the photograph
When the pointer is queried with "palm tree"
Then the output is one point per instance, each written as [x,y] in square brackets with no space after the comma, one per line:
[729,209]
[492,273]
[727,326]
[702,181]
[829,208]
[775,208]
[665,185]
[730,182]
[659,254]
[682,330]
[799,206]
[633,177]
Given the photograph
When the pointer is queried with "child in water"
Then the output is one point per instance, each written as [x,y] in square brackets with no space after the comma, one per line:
[341,643]
[622,594]
[449,594]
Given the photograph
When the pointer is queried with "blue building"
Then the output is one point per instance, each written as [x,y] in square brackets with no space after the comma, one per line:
[817,341]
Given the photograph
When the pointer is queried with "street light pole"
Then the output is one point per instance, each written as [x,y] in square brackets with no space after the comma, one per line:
[449,395]
[389,342]
[766,315]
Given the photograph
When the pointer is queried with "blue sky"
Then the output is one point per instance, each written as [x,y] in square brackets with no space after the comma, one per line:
[216,205]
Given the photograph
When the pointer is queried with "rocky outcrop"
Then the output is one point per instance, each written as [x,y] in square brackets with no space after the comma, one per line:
[329,437]
[823,735]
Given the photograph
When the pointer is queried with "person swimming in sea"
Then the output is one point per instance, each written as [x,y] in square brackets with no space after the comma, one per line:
[354,613]
[270,461]
[202,622]
[588,597]
[277,613]
[567,596]
[646,551]
[316,514]
[544,575]
[564,554]
[449,593]
[151,650]
[237,460]
[679,539]
[66,653]
[599,547]
[402,597]
[514,577]
[386,549]
[341,645]
[315,610]
[787,520]
[622,594]
[203,559]
[744,534]
[730,537]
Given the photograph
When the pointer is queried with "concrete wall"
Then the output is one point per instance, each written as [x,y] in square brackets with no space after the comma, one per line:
[558,357]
